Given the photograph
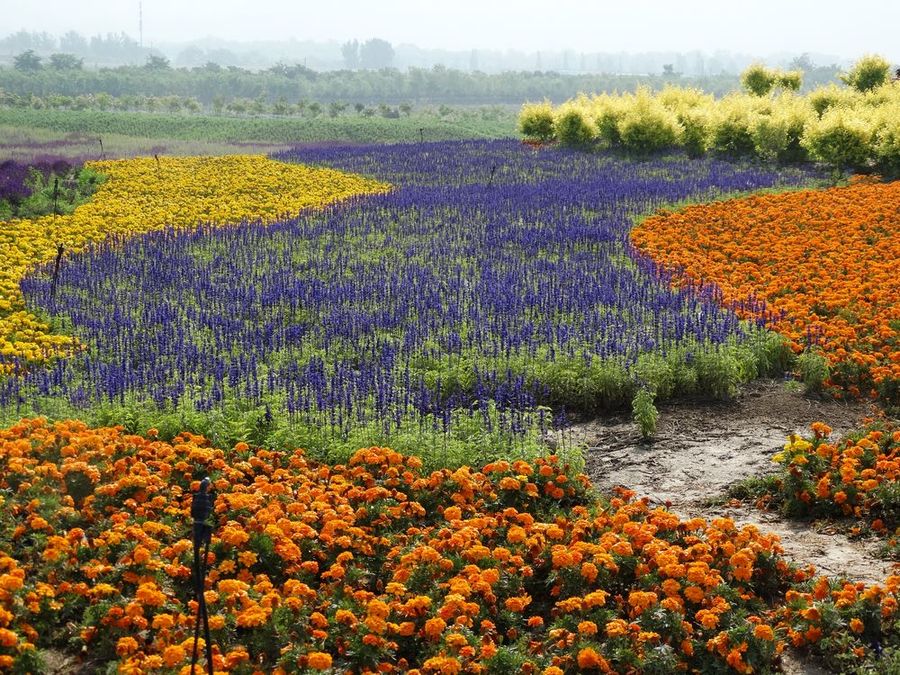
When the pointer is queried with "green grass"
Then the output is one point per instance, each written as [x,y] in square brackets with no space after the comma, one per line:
[457,124]
[24,143]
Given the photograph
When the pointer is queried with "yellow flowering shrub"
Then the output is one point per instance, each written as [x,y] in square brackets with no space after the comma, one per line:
[144,194]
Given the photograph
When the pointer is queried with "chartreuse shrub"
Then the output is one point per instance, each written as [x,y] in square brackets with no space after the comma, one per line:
[759,80]
[850,127]
[573,129]
[869,73]
[840,138]
[536,121]
[648,126]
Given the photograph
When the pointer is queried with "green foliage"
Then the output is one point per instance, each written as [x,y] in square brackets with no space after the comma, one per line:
[473,439]
[607,123]
[824,98]
[648,128]
[869,73]
[887,145]
[812,367]
[732,134]
[718,373]
[694,132]
[758,80]
[778,136]
[463,123]
[27,61]
[645,412]
[790,81]
[536,121]
[573,130]
[840,139]
[65,62]
[54,194]
[372,86]
[839,127]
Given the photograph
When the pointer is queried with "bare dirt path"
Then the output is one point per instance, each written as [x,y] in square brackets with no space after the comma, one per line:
[702,448]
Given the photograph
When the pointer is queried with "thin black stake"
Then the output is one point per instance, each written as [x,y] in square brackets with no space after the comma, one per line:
[422,134]
[60,249]
[102,153]
[491,179]
[201,508]
[156,157]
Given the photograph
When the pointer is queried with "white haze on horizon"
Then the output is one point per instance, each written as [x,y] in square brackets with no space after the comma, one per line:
[836,27]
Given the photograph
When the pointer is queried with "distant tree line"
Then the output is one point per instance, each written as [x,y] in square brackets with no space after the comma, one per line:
[64,76]
[114,49]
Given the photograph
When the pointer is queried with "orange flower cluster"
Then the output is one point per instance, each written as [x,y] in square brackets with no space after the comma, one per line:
[854,477]
[819,265]
[859,614]
[372,566]
[17,637]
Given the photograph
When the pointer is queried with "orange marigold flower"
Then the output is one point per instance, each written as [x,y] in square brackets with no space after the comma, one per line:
[434,627]
[126,646]
[587,628]
[589,658]
[763,632]
[318,660]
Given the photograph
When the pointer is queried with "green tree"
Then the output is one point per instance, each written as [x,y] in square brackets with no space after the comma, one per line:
[350,53]
[376,54]
[157,62]
[27,61]
[870,72]
[65,62]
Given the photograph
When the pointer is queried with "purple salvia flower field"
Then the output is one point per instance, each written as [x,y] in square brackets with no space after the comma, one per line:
[493,281]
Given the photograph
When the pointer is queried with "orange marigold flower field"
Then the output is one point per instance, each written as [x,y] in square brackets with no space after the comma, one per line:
[855,477]
[820,266]
[376,566]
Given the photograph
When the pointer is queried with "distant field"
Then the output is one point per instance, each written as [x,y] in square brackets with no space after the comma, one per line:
[25,129]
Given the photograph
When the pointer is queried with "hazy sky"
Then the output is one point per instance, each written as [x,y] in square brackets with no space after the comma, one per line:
[759,27]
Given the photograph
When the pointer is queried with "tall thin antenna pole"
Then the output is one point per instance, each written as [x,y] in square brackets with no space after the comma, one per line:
[141,22]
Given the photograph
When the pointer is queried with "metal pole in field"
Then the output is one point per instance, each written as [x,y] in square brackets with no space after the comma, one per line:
[201,508]
[59,254]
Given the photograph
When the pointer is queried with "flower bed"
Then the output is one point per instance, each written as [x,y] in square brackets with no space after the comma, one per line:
[819,266]
[143,195]
[375,566]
